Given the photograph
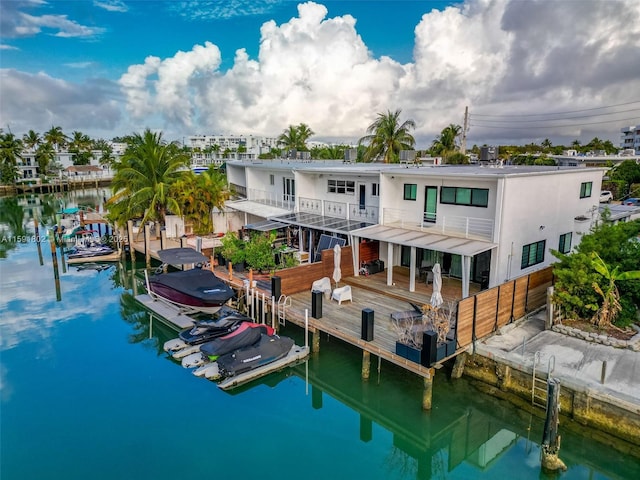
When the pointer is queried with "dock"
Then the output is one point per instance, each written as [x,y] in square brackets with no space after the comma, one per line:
[168,312]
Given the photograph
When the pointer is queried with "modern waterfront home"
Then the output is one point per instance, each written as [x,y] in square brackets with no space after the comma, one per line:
[482,224]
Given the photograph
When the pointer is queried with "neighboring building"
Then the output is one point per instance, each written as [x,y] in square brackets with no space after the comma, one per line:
[631,138]
[477,222]
[572,159]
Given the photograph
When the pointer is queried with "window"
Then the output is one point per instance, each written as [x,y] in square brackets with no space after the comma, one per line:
[565,243]
[533,254]
[410,191]
[375,190]
[475,197]
[272,179]
[585,189]
[341,186]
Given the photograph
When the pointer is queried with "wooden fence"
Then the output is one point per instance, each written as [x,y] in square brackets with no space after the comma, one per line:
[300,278]
[485,312]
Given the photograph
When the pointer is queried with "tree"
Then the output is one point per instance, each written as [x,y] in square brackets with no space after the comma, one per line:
[80,146]
[198,195]
[445,144]
[386,137]
[628,172]
[295,137]
[259,252]
[546,145]
[457,158]
[31,140]
[56,137]
[10,153]
[106,157]
[44,156]
[143,179]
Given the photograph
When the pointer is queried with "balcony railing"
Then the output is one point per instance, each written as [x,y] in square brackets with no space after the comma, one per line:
[349,211]
[271,198]
[466,227]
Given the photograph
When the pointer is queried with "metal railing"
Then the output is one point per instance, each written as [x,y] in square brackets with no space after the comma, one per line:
[349,211]
[467,227]
[271,198]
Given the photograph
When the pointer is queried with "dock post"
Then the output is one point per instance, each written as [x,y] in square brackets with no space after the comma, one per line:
[458,365]
[315,341]
[37,229]
[147,245]
[56,273]
[550,439]
[366,365]
[163,240]
[427,392]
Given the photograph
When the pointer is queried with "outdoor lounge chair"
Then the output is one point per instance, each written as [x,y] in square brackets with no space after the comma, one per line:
[415,314]
[323,285]
[342,293]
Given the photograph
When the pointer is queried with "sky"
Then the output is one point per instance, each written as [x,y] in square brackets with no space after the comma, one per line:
[528,70]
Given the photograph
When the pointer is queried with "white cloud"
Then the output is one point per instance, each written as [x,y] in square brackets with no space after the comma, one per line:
[223,9]
[112,6]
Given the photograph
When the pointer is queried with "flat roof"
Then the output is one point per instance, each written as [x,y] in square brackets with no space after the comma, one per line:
[321,222]
[257,208]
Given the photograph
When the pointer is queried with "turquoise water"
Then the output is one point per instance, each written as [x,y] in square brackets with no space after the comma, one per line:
[87,392]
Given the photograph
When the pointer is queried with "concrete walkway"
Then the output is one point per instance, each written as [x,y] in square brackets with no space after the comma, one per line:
[577,363]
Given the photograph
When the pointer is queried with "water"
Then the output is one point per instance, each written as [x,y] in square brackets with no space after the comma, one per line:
[87,392]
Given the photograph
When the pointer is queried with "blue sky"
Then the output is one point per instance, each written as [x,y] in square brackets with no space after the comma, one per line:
[527,69]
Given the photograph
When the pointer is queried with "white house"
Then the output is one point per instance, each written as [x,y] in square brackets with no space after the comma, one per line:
[630,138]
[482,224]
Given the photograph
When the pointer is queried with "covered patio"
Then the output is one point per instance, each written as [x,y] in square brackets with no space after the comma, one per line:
[427,239]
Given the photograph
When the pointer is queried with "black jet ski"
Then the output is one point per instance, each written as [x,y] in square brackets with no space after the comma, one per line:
[268,349]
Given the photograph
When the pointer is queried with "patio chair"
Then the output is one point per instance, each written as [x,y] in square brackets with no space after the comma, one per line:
[323,285]
[342,293]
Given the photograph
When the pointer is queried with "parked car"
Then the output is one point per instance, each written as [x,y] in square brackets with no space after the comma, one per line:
[606,196]
[632,201]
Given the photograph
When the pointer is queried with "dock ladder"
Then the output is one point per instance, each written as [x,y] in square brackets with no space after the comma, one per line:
[284,302]
[538,385]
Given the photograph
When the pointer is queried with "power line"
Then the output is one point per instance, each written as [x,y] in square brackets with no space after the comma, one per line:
[558,113]
[558,119]
[553,126]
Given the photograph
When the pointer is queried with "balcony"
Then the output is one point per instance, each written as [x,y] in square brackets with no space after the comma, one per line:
[348,211]
[465,227]
[273,199]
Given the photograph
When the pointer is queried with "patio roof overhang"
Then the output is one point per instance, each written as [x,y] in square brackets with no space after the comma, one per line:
[256,208]
[321,222]
[265,226]
[425,239]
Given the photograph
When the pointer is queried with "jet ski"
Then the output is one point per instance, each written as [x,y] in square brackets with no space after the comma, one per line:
[189,339]
[246,334]
[267,350]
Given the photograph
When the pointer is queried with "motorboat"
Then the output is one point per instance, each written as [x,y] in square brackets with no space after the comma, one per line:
[203,331]
[246,334]
[197,289]
[267,350]
[89,252]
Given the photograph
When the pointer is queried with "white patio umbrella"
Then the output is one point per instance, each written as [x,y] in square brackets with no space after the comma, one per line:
[436,296]
[337,272]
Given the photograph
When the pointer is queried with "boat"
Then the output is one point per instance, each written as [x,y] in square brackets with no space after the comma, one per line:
[194,290]
[92,251]
[268,349]
[246,334]
[189,339]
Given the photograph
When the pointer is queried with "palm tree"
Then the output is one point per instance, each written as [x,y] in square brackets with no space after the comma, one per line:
[10,152]
[80,146]
[31,139]
[143,179]
[295,137]
[44,156]
[386,137]
[56,137]
[445,144]
[546,144]
[107,157]
[304,133]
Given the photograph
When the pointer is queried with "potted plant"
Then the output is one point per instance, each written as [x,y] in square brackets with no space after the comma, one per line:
[409,343]
[259,253]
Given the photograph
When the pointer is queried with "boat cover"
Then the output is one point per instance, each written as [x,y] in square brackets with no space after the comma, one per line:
[181,256]
[269,349]
[248,333]
[197,283]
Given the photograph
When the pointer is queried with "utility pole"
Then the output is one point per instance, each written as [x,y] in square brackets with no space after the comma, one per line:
[465,126]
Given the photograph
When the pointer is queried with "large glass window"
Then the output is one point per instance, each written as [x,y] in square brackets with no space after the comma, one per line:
[410,191]
[533,254]
[565,243]
[585,189]
[475,197]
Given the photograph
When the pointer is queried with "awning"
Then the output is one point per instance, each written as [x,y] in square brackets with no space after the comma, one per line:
[265,226]
[426,240]
[256,208]
[321,222]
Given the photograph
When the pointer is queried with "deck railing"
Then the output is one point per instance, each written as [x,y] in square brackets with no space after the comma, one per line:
[467,227]
[271,198]
[349,211]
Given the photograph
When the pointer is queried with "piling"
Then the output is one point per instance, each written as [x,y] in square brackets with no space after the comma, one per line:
[37,229]
[147,245]
[550,438]
[56,274]
[427,392]
[366,365]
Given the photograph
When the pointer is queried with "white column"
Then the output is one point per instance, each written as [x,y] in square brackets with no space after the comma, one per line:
[412,270]
[389,263]
[355,248]
[466,269]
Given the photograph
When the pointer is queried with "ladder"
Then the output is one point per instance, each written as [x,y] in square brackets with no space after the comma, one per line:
[538,385]
[283,303]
